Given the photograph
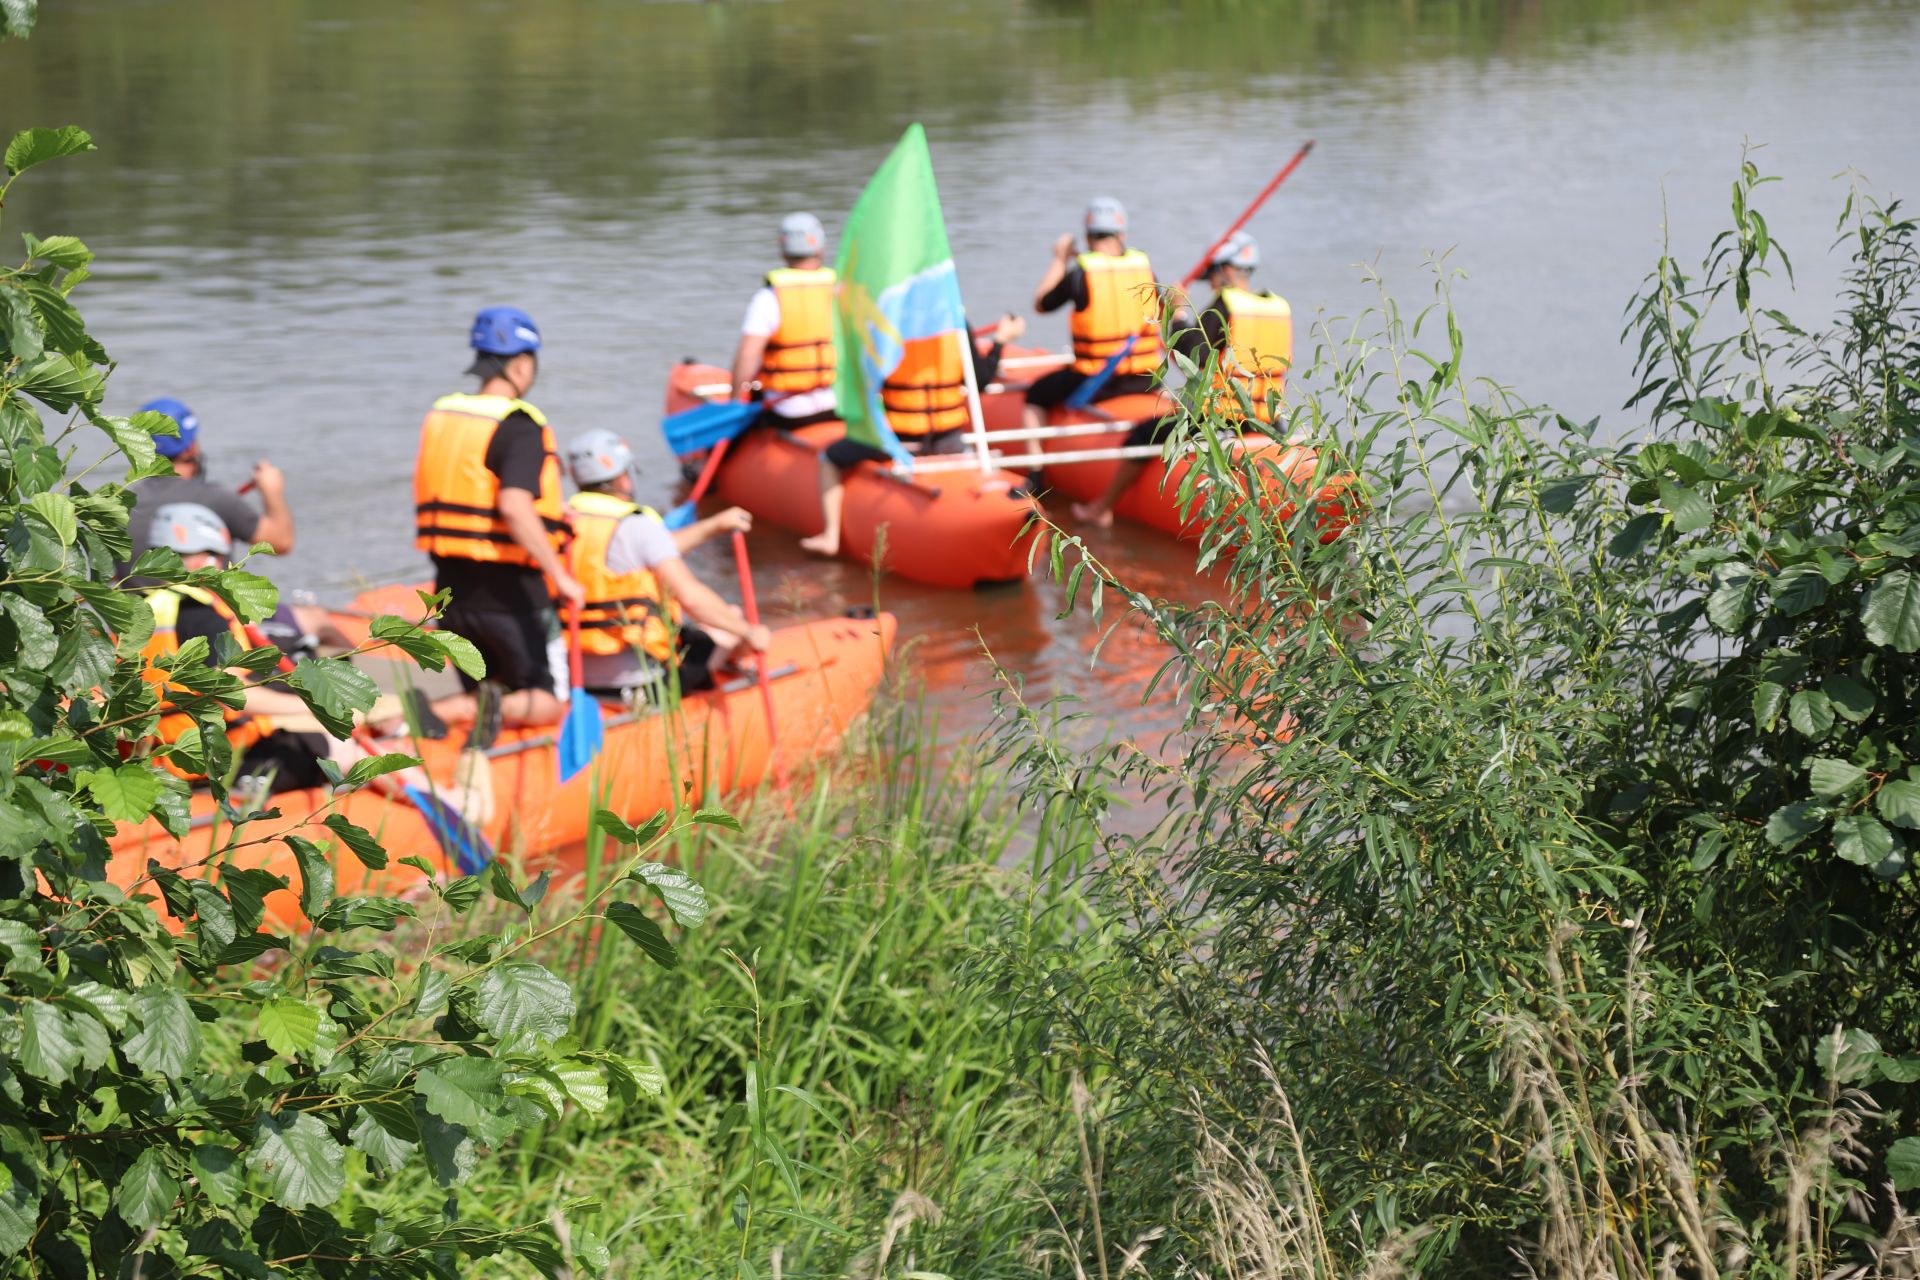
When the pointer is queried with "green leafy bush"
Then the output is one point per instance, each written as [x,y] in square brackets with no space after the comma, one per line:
[1531,840]
[208,1096]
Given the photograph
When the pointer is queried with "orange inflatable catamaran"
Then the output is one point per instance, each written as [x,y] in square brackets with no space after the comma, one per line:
[716,742]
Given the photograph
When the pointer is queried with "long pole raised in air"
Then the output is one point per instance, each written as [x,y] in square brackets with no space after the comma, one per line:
[979,433]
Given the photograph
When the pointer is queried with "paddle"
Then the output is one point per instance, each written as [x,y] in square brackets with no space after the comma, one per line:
[583,731]
[707,425]
[1084,393]
[751,608]
[462,843]
[683,515]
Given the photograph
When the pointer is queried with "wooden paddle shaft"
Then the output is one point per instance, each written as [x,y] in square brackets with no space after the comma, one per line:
[751,607]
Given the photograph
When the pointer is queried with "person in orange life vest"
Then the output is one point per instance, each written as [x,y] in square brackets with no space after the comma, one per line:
[183,613]
[786,338]
[926,402]
[1114,298]
[490,512]
[632,636]
[1247,340]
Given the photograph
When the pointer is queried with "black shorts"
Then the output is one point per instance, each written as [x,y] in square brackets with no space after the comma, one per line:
[845,454]
[1153,430]
[292,758]
[1053,388]
[768,417]
[514,644]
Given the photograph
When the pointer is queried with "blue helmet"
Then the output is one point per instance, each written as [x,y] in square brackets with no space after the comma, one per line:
[505,331]
[174,446]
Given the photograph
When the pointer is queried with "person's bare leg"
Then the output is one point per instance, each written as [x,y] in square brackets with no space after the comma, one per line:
[1099,512]
[522,707]
[833,497]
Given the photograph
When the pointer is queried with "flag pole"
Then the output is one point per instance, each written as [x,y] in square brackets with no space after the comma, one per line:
[979,432]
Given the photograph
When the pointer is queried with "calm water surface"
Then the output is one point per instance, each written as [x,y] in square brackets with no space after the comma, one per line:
[298,205]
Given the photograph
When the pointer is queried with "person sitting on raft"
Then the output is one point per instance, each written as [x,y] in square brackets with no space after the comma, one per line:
[926,402]
[786,339]
[1115,298]
[272,524]
[632,632]
[1246,337]
[489,510]
[286,759]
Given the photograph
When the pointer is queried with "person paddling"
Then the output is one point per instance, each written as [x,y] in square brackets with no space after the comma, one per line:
[632,632]
[1247,339]
[925,398]
[489,510]
[272,524]
[1115,299]
[786,338]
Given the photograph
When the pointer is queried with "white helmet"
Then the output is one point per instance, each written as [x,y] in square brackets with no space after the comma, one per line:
[189,528]
[1106,217]
[1237,250]
[597,456]
[802,236]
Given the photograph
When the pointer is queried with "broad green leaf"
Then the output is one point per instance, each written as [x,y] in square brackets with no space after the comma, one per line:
[1690,511]
[57,510]
[461,894]
[20,326]
[500,880]
[248,594]
[214,913]
[1792,823]
[147,1190]
[1861,839]
[377,1143]
[247,889]
[462,1091]
[316,875]
[49,1046]
[299,1160]
[1769,699]
[61,251]
[418,643]
[463,655]
[169,1037]
[60,381]
[217,1170]
[333,690]
[684,898]
[1630,541]
[1810,712]
[288,1025]
[1799,588]
[1899,803]
[637,925]
[518,997]
[430,996]
[38,640]
[372,856]
[1834,778]
[111,1005]
[448,1148]
[1903,1164]
[1852,699]
[1891,612]
[1731,603]
[37,146]
[717,818]
[366,770]
[126,793]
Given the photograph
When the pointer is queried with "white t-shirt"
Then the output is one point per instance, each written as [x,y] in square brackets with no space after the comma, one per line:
[640,542]
[763,321]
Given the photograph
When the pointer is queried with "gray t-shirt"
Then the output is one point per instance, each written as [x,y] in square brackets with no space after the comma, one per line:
[155,492]
[641,542]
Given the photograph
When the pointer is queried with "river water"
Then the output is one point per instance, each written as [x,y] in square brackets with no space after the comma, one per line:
[299,204]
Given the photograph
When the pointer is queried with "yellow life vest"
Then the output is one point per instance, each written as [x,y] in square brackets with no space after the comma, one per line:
[1122,301]
[623,611]
[243,728]
[456,499]
[799,355]
[1260,349]
[927,390]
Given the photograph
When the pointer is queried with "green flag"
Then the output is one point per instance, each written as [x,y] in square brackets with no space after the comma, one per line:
[896,284]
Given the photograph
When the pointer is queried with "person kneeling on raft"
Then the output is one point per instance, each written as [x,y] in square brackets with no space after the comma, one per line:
[639,591]
[926,402]
[1115,301]
[785,352]
[274,735]
[1246,338]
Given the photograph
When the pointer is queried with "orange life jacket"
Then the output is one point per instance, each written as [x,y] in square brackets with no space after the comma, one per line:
[624,611]
[1121,302]
[927,390]
[243,728]
[456,499]
[1260,348]
[799,355]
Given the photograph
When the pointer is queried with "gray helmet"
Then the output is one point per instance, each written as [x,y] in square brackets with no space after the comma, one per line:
[189,528]
[595,457]
[1106,217]
[1237,250]
[802,236]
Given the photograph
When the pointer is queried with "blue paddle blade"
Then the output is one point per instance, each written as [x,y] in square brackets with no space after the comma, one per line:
[459,839]
[580,734]
[1083,394]
[706,425]
[680,517]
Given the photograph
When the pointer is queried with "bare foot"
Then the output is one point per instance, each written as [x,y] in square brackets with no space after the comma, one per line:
[821,545]
[1094,514]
